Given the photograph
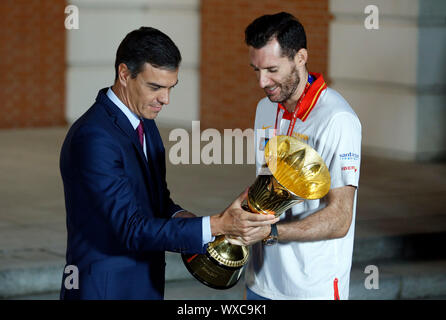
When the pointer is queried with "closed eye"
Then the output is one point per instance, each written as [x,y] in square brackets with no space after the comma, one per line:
[270,69]
[154,87]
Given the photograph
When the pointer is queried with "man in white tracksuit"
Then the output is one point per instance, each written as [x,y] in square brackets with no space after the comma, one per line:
[309,252]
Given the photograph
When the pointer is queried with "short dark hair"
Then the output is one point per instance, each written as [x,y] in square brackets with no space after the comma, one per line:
[150,45]
[283,26]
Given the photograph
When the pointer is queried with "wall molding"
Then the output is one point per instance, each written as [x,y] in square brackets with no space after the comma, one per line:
[397,88]
[111,64]
[392,20]
[137,5]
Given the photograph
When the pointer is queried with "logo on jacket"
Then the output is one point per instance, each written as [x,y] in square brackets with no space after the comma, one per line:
[349,156]
[347,168]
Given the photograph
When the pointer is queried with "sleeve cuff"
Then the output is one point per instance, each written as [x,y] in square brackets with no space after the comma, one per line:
[206,230]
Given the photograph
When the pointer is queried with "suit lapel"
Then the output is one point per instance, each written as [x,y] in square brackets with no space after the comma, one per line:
[123,124]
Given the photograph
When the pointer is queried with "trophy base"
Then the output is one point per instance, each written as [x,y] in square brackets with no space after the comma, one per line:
[210,272]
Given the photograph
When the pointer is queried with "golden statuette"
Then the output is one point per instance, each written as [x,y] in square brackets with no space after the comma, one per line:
[296,173]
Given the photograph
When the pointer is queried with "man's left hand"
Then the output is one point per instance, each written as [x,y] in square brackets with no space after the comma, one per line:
[254,235]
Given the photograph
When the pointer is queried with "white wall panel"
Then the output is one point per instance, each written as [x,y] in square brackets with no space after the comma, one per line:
[103,24]
[388,116]
[376,71]
[83,84]
[388,54]
[99,34]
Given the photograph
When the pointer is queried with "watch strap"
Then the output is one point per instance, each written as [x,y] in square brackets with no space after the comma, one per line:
[273,236]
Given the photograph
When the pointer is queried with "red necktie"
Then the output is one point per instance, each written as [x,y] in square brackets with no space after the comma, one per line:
[140,131]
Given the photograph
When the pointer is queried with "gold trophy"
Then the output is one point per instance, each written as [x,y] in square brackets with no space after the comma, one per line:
[296,173]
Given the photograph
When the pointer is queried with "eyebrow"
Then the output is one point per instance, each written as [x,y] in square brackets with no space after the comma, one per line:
[160,86]
[255,67]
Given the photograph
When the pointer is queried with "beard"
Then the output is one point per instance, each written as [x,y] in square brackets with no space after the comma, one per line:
[287,87]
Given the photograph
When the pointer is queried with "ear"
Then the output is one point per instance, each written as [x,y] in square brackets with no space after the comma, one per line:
[301,57]
[123,74]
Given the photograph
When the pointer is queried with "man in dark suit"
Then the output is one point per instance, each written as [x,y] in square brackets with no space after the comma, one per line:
[120,217]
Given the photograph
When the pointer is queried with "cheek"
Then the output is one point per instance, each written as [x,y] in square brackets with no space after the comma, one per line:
[145,96]
[283,80]
[275,80]
[137,93]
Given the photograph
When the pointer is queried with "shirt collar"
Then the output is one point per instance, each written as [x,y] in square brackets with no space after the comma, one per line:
[309,100]
[133,118]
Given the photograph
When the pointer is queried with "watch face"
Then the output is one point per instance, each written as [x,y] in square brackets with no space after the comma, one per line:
[270,241]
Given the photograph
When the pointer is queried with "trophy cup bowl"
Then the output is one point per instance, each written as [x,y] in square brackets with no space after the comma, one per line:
[294,172]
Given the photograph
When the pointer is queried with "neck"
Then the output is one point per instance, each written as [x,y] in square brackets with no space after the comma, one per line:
[120,93]
[116,88]
[291,103]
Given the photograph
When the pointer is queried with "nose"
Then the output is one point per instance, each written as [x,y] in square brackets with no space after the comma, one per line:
[264,80]
[163,98]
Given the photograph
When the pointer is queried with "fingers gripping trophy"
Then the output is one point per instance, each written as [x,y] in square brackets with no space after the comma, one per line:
[297,173]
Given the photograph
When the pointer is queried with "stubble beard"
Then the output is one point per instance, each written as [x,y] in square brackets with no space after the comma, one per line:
[288,87]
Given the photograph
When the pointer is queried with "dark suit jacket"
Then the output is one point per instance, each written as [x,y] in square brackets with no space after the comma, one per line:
[119,208]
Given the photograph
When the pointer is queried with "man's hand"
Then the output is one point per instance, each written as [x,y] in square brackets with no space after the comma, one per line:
[255,235]
[236,222]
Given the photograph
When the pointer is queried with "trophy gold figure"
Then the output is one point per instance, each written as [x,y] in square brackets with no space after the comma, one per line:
[296,172]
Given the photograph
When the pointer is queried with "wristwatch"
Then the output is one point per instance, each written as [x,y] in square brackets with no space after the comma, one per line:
[273,236]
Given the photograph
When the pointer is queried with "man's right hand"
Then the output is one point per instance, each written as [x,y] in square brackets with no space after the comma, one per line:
[236,222]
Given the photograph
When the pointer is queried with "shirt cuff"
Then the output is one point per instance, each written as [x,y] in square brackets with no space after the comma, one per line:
[206,230]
